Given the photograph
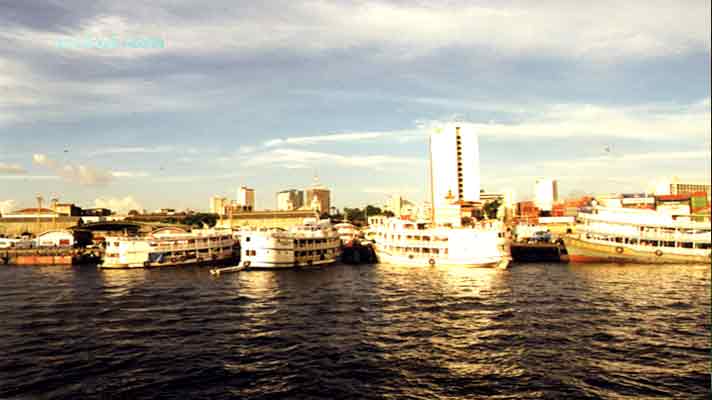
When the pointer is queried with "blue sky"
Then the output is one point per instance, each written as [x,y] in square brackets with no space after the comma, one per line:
[267,94]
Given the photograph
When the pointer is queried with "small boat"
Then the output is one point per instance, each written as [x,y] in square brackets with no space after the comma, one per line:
[236,268]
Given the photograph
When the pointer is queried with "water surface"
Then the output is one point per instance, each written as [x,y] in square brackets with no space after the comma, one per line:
[534,331]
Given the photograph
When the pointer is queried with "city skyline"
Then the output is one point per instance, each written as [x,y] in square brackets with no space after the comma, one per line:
[265,96]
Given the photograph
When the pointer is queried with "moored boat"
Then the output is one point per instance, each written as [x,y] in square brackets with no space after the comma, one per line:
[416,244]
[169,247]
[639,236]
[311,244]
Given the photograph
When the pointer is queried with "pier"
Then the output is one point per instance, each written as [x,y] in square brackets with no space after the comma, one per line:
[50,256]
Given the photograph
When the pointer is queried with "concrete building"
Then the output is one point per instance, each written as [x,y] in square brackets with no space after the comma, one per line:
[674,186]
[546,193]
[454,165]
[291,199]
[689,188]
[318,198]
[68,209]
[246,198]
[401,208]
[267,219]
[56,238]
[35,221]
[218,204]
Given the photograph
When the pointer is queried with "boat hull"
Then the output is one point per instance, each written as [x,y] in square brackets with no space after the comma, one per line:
[412,260]
[581,251]
[186,263]
[263,264]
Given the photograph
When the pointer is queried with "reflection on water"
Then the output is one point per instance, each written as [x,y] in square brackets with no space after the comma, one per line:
[534,331]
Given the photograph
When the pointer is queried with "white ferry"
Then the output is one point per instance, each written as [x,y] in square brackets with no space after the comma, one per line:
[409,243]
[639,236]
[347,232]
[311,244]
[169,247]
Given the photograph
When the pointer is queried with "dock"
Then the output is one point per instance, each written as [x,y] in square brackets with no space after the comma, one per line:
[49,256]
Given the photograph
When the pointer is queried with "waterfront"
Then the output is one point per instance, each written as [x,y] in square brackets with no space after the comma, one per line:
[533,331]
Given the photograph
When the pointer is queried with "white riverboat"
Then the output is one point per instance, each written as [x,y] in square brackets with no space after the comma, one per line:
[639,236]
[169,247]
[306,245]
[409,243]
[347,232]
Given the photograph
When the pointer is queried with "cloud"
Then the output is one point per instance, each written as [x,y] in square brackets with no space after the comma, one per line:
[293,158]
[129,174]
[11,169]
[121,205]
[646,122]
[336,137]
[7,206]
[133,150]
[81,174]
[399,30]
[630,158]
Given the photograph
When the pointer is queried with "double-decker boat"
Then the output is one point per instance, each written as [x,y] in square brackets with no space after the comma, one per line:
[409,243]
[305,245]
[170,247]
[347,232]
[639,236]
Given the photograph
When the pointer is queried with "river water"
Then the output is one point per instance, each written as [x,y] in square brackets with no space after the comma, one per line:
[551,331]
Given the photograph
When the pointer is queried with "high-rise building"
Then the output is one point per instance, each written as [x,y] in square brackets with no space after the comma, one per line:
[318,197]
[291,199]
[546,193]
[218,204]
[454,165]
[246,198]
[454,173]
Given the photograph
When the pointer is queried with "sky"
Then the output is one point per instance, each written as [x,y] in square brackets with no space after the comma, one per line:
[602,96]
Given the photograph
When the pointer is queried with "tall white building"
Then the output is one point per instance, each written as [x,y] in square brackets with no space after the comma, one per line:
[454,165]
[218,204]
[546,193]
[246,198]
[291,199]
[454,172]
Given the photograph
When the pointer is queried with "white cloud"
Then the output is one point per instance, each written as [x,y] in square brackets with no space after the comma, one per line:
[11,169]
[597,30]
[648,122]
[132,150]
[121,205]
[336,137]
[129,174]
[7,206]
[293,158]
[81,174]
[628,158]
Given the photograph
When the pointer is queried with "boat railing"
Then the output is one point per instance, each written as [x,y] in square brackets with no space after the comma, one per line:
[650,235]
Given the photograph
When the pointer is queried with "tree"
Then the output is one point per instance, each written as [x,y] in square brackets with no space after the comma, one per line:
[373,210]
[491,208]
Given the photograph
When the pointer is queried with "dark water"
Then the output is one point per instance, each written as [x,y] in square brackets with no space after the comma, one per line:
[535,331]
